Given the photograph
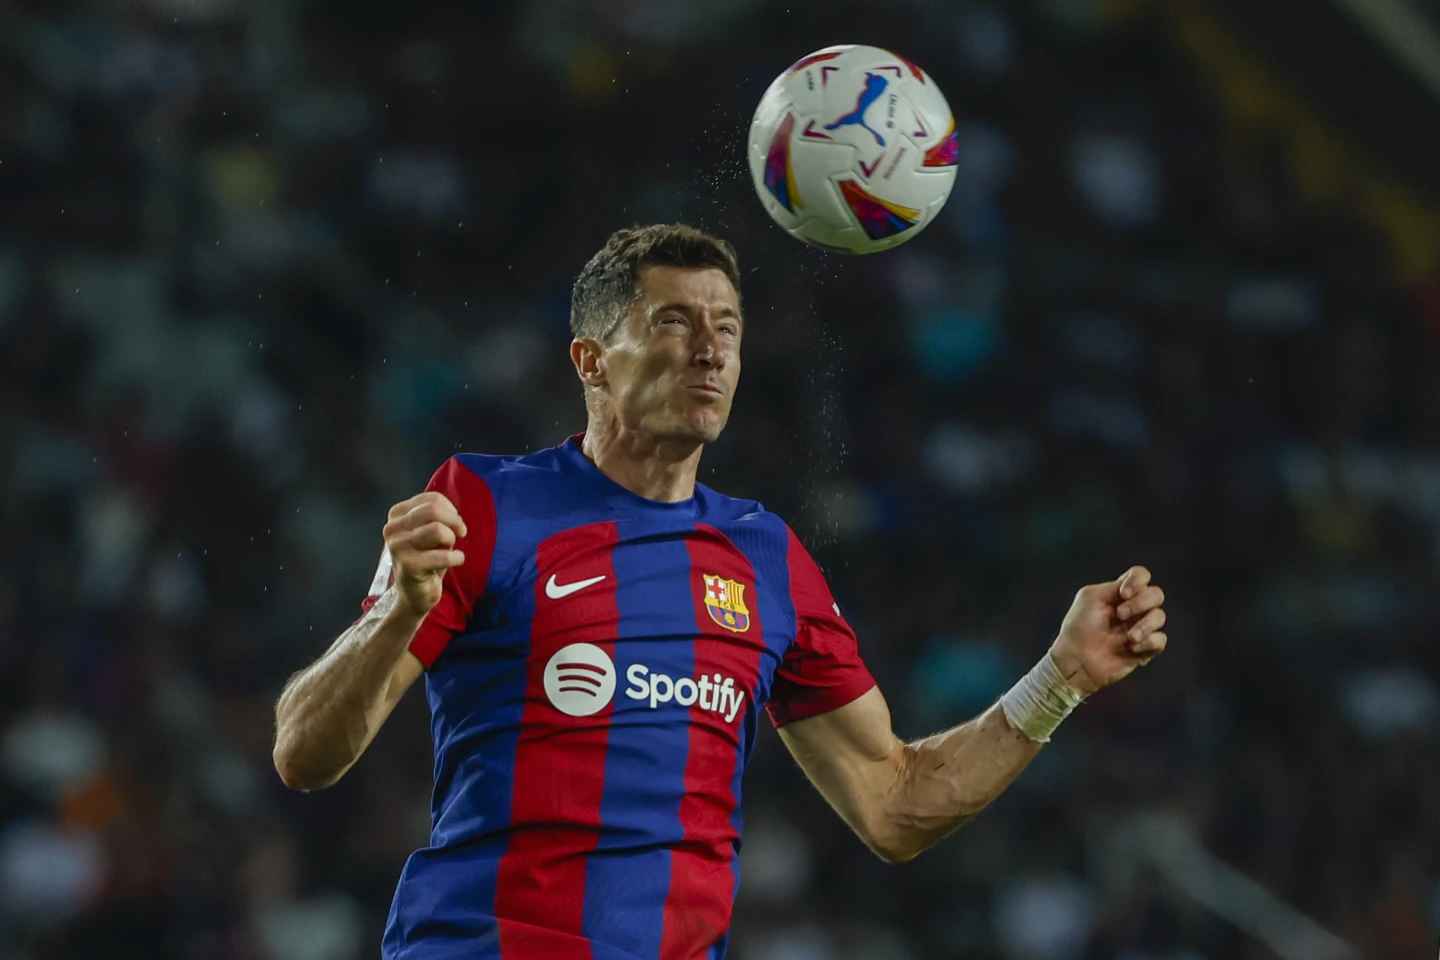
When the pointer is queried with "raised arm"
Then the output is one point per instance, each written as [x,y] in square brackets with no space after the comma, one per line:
[900,798]
[329,712]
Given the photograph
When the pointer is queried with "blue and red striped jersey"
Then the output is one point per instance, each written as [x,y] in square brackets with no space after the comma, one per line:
[594,674]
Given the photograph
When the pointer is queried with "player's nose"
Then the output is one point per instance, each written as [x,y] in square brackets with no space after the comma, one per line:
[709,351]
[709,355]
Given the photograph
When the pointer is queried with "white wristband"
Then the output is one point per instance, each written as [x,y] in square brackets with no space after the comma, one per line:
[1040,700]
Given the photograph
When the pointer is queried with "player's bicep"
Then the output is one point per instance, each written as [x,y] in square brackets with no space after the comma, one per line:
[854,759]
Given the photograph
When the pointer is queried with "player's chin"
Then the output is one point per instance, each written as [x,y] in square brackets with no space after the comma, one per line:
[706,424]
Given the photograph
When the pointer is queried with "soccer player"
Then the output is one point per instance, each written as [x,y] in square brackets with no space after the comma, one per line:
[598,633]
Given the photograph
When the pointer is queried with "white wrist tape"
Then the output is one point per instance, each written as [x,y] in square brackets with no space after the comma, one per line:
[1040,700]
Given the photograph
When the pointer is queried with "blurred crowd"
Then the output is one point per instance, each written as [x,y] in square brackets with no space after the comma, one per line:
[264,266]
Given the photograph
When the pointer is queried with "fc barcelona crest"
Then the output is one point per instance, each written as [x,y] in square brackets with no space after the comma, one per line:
[725,599]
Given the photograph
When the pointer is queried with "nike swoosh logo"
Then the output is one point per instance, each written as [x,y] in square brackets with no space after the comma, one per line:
[559,591]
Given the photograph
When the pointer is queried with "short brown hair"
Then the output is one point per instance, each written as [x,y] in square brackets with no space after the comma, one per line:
[610,282]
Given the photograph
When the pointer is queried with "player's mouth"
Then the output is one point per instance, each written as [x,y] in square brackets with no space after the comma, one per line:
[708,388]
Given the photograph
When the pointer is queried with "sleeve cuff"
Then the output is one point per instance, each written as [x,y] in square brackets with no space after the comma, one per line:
[429,641]
[802,704]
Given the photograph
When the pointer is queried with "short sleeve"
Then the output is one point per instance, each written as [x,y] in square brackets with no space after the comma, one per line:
[463,586]
[822,669]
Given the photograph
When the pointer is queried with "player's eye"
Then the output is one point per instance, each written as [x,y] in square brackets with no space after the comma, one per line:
[730,329]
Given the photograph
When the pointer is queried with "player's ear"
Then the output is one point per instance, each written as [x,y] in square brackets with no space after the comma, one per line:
[589,359]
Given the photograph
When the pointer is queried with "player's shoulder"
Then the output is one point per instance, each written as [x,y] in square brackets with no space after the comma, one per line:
[735,514]
[469,474]
[509,466]
[721,509]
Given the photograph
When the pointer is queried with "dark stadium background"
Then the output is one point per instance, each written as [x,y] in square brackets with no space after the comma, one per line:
[264,266]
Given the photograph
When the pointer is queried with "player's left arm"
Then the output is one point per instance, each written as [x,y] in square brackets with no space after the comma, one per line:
[900,798]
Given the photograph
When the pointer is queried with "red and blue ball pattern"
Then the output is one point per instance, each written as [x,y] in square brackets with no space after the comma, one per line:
[878,218]
[779,175]
[946,153]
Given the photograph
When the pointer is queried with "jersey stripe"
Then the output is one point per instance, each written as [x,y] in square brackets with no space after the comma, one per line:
[628,875]
[698,907]
[464,586]
[556,797]
[766,552]
[822,670]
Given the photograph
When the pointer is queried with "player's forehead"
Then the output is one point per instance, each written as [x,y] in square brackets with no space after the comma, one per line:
[688,286]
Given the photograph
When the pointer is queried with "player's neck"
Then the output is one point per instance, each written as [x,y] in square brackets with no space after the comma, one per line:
[656,468]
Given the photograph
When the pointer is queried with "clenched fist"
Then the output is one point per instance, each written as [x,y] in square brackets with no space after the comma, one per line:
[421,536]
[1111,629]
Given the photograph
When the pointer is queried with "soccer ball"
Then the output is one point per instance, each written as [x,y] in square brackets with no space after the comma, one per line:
[853,149]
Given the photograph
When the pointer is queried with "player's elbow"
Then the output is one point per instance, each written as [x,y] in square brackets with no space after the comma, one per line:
[291,773]
[298,777]
[893,848]
[294,772]
[886,838]
[894,855]
[904,834]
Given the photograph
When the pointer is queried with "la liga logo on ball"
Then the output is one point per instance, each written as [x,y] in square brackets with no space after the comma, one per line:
[853,149]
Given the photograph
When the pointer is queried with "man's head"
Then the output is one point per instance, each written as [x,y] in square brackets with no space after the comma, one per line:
[657,326]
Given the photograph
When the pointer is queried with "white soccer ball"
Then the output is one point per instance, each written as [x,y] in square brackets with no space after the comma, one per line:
[853,149]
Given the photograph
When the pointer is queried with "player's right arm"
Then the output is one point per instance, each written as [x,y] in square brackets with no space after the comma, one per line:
[329,712]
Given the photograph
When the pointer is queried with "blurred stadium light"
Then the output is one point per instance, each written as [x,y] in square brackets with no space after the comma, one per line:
[1167,844]
[1406,30]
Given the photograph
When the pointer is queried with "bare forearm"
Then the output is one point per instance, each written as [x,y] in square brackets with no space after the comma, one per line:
[330,711]
[948,778]
[900,798]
